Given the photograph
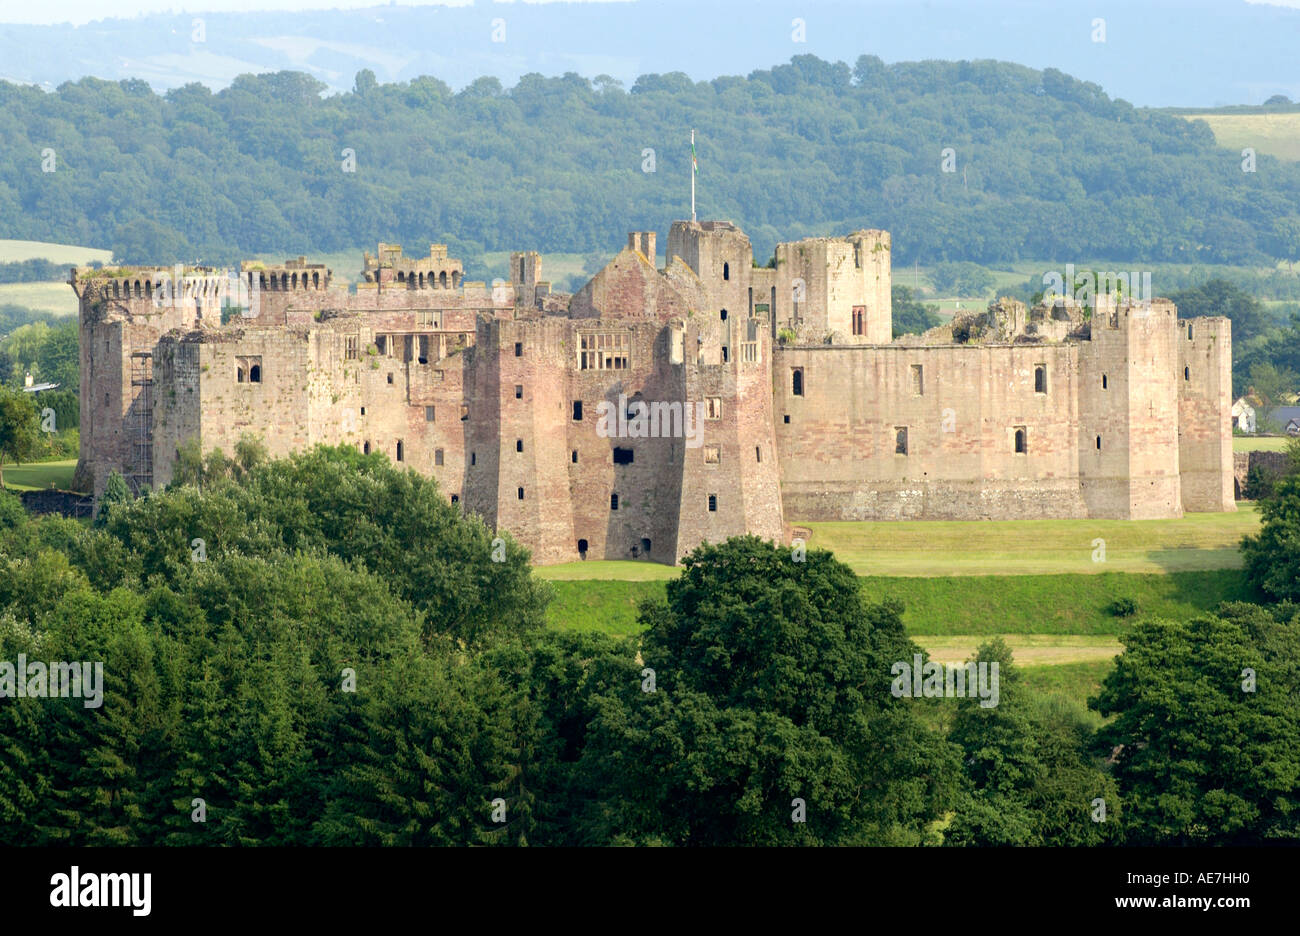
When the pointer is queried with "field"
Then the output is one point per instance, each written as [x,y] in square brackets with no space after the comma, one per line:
[36,476]
[1275,134]
[45,297]
[12,251]
[1038,547]
[1259,443]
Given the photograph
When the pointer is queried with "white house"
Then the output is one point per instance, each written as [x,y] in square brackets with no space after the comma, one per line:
[1243,416]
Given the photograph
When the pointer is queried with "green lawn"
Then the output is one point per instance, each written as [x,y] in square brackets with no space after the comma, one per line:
[614,569]
[36,476]
[1259,443]
[1064,607]
[1037,547]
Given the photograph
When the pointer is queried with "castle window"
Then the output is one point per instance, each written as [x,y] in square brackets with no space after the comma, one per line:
[519,349]
[473,458]
[577,411]
[918,380]
[401,450]
[613,502]
[1040,378]
[758,453]
[519,445]
[455,498]
[859,320]
[1099,443]
[573,456]
[724,315]
[429,414]
[437,457]
[519,391]
[106,399]
[623,456]
[796,382]
[900,440]
[381,344]
[645,545]
[1187,373]
[521,270]
[787,419]
[423,353]
[248,369]
[442,279]
[366,448]
[1189,331]
[521,493]
[711,454]
[713,503]
[726,355]
[582,548]
[363,411]
[349,349]
[390,378]
[603,352]
[726,275]
[713,407]
[1021,448]
[1103,381]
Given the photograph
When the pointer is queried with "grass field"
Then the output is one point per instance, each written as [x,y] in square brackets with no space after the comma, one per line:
[1060,607]
[1275,134]
[1259,444]
[37,476]
[1035,547]
[12,251]
[47,297]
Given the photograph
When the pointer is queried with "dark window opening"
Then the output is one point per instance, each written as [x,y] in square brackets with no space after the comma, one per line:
[519,445]
[724,315]
[519,391]
[645,545]
[390,378]
[796,381]
[521,493]
[437,456]
[900,440]
[1189,331]
[1040,379]
[429,414]
[519,349]
[758,454]
[455,498]
[787,418]
[622,456]
[1099,443]
[366,448]
[573,456]
[255,374]
[1020,441]
[577,410]
[1103,381]
[401,450]
[726,273]
[363,411]
[1187,373]
[613,502]
[473,458]
[726,356]
[582,548]
[713,503]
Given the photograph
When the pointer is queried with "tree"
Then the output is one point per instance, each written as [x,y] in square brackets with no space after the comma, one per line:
[115,492]
[1207,727]
[911,316]
[1272,557]
[772,686]
[1220,297]
[961,279]
[1273,385]
[19,432]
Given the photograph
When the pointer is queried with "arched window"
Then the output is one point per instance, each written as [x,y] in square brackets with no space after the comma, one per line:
[1187,373]
[724,315]
[796,382]
[255,374]
[1103,381]
[366,448]
[442,279]
[726,271]
[1020,441]
[713,503]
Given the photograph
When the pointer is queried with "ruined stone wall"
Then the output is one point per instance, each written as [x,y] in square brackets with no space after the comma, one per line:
[838,450]
[1204,383]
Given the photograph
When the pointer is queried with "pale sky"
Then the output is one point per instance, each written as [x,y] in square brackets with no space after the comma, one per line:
[79,12]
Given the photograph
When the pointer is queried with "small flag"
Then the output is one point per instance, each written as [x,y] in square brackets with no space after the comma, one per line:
[695,163]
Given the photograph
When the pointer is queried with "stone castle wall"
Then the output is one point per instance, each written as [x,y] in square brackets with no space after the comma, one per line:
[513,398]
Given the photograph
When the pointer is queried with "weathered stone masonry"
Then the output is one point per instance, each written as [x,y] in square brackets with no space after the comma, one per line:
[810,411]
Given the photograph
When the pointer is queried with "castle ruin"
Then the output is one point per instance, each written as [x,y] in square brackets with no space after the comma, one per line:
[659,407]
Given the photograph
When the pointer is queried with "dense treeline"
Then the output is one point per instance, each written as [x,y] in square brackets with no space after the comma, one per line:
[321,650]
[1043,165]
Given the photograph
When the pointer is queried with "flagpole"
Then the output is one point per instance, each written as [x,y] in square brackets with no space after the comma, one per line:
[692,174]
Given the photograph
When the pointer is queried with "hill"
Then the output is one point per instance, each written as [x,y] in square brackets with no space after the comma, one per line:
[1045,166]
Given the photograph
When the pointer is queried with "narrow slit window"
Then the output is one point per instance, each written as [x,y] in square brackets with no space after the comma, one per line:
[900,440]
